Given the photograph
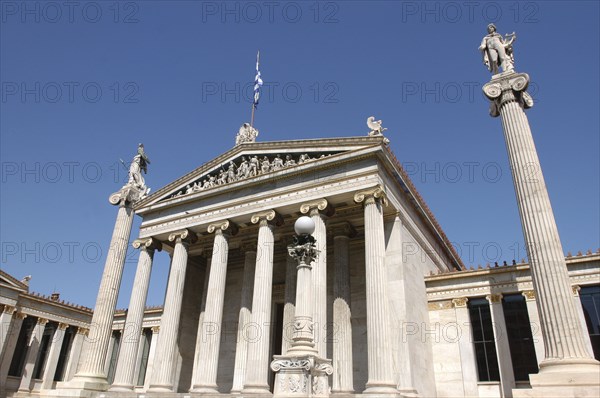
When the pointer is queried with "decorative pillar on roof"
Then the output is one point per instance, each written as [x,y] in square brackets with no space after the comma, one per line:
[567,364]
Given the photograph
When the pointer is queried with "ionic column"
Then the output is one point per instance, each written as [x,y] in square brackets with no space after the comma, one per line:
[162,372]
[342,343]
[8,348]
[565,347]
[209,333]
[91,374]
[32,353]
[75,352]
[124,374]
[53,355]
[534,321]
[151,354]
[5,325]
[468,360]
[241,349]
[381,377]
[507,376]
[577,301]
[317,211]
[289,308]
[199,333]
[257,369]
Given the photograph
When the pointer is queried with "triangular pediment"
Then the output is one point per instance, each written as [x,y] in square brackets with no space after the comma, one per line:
[249,161]
[9,281]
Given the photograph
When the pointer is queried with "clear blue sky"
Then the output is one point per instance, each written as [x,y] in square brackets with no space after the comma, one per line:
[82,84]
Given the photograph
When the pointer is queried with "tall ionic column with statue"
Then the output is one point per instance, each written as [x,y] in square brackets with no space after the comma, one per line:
[91,374]
[568,369]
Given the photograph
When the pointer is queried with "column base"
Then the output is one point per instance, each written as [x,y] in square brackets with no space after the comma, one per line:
[386,389]
[121,387]
[564,378]
[82,385]
[160,388]
[257,389]
[205,389]
[301,376]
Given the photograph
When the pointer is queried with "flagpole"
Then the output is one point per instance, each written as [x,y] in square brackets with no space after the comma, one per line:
[252,117]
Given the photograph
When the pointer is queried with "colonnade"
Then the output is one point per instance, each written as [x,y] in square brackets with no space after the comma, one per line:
[251,370]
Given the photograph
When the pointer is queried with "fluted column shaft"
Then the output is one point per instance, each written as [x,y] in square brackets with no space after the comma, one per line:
[205,377]
[32,351]
[241,349]
[563,334]
[5,325]
[166,348]
[125,372]
[381,379]
[75,353]
[257,370]
[8,349]
[342,344]
[96,346]
[507,376]
[289,307]
[53,355]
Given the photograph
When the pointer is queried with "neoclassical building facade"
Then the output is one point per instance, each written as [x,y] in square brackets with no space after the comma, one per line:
[393,306]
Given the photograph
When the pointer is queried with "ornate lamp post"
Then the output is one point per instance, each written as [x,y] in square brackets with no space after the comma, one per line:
[301,372]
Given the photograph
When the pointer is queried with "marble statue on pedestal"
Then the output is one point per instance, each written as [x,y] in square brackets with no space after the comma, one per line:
[247,133]
[497,50]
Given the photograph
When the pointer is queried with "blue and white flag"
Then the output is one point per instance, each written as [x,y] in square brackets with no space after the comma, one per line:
[257,82]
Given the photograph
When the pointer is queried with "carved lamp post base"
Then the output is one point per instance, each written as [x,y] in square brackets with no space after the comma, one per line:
[301,376]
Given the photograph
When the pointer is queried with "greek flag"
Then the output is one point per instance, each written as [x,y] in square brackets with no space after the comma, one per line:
[257,82]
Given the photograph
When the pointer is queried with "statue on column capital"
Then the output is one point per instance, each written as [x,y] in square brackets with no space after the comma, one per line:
[136,188]
[497,50]
[372,194]
[147,244]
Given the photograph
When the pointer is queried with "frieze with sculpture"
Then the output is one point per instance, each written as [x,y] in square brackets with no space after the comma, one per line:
[247,166]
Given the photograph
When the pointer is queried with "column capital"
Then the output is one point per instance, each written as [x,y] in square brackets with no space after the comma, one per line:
[184,236]
[576,289]
[528,294]
[494,298]
[227,227]
[460,302]
[20,315]
[155,329]
[320,206]
[371,195]
[63,326]
[344,229]
[508,88]
[269,216]
[147,244]
[42,321]
[9,309]
[83,331]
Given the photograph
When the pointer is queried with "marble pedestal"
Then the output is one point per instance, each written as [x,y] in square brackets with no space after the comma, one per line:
[301,376]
